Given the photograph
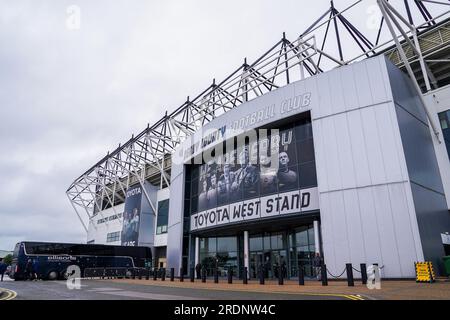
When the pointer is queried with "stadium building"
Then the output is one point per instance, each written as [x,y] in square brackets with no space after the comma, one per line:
[300,152]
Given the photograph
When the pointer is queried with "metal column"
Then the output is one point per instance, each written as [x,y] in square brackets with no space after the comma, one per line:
[317,236]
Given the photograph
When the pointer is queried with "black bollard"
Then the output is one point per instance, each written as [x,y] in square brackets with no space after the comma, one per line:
[204,275]
[280,276]
[172,274]
[147,274]
[192,274]
[230,276]
[216,276]
[133,274]
[244,276]
[350,281]
[140,274]
[155,274]
[363,273]
[163,274]
[261,275]
[301,276]
[323,272]
[181,275]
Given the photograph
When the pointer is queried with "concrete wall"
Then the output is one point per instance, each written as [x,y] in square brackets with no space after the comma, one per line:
[175,228]
[366,204]
[98,232]
[147,227]
[424,173]
[148,216]
[161,239]
[439,101]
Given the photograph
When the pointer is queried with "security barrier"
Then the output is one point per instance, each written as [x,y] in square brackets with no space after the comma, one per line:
[113,273]
[216,276]
[349,270]
[181,275]
[140,273]
[230,275]
[203,275]
[301,276]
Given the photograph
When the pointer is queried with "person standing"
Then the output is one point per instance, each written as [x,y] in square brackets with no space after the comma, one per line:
[29,270]
[3,267]
[318,262]
[198,270]
[36,269]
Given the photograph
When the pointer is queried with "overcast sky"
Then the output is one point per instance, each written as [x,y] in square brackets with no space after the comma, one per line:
[68,95]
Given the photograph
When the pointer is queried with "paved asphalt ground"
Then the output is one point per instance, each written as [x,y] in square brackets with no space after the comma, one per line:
[107,290]
[127,289]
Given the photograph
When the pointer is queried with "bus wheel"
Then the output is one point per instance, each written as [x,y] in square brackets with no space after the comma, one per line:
[52,275]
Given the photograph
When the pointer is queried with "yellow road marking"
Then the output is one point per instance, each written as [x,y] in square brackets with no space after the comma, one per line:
[10,294]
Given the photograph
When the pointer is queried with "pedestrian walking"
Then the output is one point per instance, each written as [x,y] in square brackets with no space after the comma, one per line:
[36,269]
[3,268]
[29,270]
[318,262]
[198,270]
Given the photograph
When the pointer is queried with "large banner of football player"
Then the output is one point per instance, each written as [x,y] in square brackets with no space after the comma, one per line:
[131,216]
[247,181]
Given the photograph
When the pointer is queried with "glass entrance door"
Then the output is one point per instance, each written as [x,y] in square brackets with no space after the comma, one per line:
[278,260]
[256,261]
[271,261]
[302,249]
[269,251]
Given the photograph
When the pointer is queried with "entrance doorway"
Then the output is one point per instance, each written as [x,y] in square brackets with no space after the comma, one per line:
[269,251]
[271,261]
[285,251]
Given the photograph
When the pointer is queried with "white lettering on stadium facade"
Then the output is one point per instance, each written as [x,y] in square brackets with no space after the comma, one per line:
[300,201]
[252,120]
[133,192]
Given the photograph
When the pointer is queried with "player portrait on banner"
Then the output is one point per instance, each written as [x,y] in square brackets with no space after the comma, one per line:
[268,176]
[226,179]
[203,189]
[287,161]
[246,177]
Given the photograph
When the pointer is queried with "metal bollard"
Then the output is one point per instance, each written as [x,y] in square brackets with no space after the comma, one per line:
[261,275]
[155,274]
[363,273]
[301,276]
[181,275]
[172,274]
[133,274]
[216,276]
[323,272]
[350,280]
[163,274]
[204,275]
[192,274]
[147,275]
[245,276]
[280,276]
[230,276]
